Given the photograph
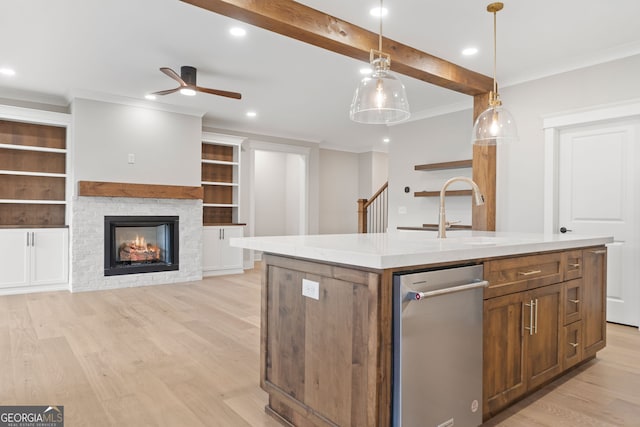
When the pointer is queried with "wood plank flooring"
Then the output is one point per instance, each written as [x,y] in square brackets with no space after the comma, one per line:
[187,355]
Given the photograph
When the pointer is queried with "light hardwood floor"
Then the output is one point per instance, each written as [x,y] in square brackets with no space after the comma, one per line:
[187,355]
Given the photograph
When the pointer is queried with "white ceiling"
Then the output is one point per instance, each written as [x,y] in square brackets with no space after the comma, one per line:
[112,50]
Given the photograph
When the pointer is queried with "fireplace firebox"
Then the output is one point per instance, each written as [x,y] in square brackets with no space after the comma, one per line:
[140,244]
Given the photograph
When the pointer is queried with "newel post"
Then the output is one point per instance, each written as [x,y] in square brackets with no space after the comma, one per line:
[362,216]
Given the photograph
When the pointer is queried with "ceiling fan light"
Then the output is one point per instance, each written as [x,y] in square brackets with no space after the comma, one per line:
[187,91]
[494,126]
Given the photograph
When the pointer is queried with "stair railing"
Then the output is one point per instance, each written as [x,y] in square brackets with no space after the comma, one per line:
[373,212]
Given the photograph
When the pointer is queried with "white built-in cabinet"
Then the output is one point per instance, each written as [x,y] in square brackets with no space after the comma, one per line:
[218,256]
[33,258]
[220,171]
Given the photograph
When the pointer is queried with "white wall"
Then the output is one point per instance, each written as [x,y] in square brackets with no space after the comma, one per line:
[270,193]
[166,145]
[294,193]
[440,139]
[373,171]
[339,180]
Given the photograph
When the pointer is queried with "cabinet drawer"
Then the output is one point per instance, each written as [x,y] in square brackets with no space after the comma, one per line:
[572,300]
[572,265]
[517,274]
[572,345]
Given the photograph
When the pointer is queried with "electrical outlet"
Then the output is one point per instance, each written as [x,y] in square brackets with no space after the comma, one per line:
[402,210]
[311,289]
[131,158]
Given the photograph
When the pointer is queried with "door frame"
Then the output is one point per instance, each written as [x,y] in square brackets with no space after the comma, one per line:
[280,148]
[552,125]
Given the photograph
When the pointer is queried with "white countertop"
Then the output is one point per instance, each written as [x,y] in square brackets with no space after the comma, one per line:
[408,248]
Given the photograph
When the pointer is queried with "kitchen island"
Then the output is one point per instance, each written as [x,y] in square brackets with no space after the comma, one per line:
[327,320]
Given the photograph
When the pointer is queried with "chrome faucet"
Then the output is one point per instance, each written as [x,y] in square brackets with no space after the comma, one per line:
[477,197]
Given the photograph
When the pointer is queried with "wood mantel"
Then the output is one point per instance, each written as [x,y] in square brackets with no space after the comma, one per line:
[145,191]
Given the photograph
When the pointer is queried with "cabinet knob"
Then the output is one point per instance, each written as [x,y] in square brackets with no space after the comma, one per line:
[564,229]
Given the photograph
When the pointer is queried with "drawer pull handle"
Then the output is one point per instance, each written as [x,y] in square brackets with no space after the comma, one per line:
[573,344]
[529,273]
[599,251]
[575,265]
[575,301]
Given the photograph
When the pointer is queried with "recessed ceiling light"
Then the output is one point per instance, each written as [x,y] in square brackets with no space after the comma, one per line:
[377,11]
[386,140]
[7,72]
[150,97]
[251,114]
[237,32]
[470,51]
[187,91]
[365,71]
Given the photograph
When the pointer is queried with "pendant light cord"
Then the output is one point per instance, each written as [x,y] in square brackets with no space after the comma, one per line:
[495,54]
[380,33]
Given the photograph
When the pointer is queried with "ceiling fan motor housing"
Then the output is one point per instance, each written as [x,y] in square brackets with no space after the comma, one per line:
[188,75]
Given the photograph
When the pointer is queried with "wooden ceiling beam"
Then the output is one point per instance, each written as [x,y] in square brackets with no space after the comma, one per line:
[300,22]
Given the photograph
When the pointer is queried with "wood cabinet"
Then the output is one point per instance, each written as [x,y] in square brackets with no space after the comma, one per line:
[218,257]
[220,178]
[521,344]
[320,357]
[33,257]
[32,174]
[543,314]
[595,300]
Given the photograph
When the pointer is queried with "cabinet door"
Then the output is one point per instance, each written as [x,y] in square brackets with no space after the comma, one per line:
[49,256]
[230,257]
[504,347]
[211,238]
[544,359]
[594,297]
[14,262]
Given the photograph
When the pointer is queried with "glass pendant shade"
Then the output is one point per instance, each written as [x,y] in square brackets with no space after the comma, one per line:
[494,126]
[380,99]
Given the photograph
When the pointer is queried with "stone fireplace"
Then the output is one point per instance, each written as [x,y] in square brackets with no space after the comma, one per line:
[151,254]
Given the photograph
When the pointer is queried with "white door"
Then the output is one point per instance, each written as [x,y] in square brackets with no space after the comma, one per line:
[598,186]
[14,258]
[49,256]
[211,248]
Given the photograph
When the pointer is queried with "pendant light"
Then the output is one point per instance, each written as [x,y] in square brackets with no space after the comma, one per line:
[380,98]
[495,125]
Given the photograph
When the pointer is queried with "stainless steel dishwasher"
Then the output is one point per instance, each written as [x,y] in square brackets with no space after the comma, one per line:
[437,357]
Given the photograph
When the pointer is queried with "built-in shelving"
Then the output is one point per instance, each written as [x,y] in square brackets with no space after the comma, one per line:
[33,174]
[220,179]
[458,164]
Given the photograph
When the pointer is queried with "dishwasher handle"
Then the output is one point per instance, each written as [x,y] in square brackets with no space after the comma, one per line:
[417,296]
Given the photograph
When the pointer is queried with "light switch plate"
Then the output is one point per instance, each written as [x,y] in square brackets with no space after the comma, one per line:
[311,289]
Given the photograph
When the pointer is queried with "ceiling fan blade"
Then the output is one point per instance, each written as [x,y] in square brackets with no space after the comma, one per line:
[234,95]
[169,72]
[167,92]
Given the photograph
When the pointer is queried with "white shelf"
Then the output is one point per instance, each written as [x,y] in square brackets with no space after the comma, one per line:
[22,173]
[220,162]
[32,148]
[222,184]
[33,202]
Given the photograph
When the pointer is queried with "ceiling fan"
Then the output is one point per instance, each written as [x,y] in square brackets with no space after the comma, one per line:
[187,81]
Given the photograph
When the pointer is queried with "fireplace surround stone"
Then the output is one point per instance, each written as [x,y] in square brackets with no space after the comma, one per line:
[87,240]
